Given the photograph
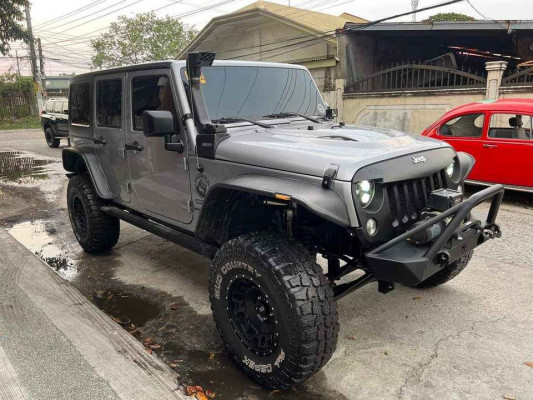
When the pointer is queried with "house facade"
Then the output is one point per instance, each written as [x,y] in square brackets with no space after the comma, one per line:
[265,31]
[406,75]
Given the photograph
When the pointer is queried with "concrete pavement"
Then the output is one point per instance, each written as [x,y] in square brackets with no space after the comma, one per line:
[55,344]
[468,339]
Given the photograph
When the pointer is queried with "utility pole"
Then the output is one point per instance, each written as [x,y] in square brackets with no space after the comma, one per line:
[18,63]
[33,57]
[41,59]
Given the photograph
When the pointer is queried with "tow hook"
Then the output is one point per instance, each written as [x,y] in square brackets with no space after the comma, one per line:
[491,232]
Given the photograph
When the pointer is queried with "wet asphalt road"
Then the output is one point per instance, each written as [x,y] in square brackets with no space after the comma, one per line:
[468,339]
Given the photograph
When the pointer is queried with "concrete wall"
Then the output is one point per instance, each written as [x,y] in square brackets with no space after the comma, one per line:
[409,113]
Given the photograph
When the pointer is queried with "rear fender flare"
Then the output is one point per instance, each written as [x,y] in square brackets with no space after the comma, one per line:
[77,162]
[325,203]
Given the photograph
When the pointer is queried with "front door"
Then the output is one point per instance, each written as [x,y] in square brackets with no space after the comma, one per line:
[110,133]
[160,178]
[508,150]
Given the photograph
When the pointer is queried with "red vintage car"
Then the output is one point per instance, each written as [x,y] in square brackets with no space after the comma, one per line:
[499,136]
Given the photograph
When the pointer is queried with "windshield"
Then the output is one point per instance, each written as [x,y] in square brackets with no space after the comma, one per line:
[254,91]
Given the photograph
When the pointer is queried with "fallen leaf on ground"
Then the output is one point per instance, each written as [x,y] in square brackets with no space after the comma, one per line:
[212,356]
[121,320]
[155,346]
[529,364]
[417,298]
[162,328]
[174,306]
[147,341]
[149,350]
[507,397]
[210,393]
[172,365]
[386,353]
[351,337]
[200,396]
[275,392]
[191,390]
[99,293]
[110,296]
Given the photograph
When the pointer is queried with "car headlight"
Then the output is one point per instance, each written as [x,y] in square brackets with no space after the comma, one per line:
[449,169]
[365,192]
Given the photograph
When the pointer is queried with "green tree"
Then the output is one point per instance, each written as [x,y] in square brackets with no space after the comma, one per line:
[142,38]
[11,13]
[447,17]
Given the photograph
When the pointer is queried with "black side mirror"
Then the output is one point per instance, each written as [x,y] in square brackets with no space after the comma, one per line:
[158,123]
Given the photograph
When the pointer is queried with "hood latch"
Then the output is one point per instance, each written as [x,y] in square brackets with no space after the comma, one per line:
[329,175]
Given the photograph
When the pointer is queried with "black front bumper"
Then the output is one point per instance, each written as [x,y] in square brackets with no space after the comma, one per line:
[403,262]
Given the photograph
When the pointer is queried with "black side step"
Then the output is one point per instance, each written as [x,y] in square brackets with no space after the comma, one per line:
[181,238]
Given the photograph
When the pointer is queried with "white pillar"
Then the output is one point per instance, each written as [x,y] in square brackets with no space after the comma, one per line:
[495,71]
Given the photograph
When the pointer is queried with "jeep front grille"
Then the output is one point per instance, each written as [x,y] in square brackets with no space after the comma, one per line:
[408,198]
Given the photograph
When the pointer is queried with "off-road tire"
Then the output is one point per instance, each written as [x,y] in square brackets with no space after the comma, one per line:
[101,230]
[447,273]
[51,140]
[301,301]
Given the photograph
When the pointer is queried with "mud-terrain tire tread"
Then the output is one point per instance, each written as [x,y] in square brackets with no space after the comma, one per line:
[303,283]
[104,229]
[447,273]
[51,140]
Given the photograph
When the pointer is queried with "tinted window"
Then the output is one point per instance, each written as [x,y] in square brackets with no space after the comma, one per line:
[80,103]
[109,103]
[58,107]
[469,125]
[151,93]
[250,91]
[511,126]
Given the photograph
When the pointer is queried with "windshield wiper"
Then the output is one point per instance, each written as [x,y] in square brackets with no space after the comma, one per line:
[292,114]
[229,120]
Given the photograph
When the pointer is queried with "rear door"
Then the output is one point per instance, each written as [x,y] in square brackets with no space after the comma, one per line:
[110,131]
[60,117]
[464,132]
[508,150]
[160,178]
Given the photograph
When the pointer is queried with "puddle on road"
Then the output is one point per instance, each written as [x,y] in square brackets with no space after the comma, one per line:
[19,167]
[38,237]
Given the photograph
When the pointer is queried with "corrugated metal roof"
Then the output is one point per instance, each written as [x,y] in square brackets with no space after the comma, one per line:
[445,26]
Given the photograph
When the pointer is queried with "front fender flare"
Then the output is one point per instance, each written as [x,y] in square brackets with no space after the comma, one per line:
[325,203]
[76,162]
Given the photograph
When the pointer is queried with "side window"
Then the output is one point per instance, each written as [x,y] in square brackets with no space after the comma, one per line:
[469,125]
[58,107]
[511,126]
[80,103]
[109,103]
[151,93]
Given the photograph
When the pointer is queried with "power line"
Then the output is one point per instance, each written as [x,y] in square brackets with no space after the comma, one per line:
[86,7]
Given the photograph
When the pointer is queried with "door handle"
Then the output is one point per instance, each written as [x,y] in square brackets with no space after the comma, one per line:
[134,146]
[490,146]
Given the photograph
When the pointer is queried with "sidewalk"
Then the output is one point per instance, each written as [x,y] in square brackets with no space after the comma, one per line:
[56,344]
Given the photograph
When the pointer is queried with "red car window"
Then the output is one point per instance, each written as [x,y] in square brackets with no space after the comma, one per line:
[510,126]
[468,125]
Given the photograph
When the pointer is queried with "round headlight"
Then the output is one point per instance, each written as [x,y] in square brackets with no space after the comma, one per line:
[365,192]
[449,169]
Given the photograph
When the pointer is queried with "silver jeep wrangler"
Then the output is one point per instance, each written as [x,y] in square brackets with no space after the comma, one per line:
[243,163]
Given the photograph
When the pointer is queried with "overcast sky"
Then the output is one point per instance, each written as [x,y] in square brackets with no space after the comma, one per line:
[66,39]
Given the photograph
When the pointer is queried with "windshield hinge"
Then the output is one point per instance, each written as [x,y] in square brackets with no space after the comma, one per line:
[185,117]
[329,175]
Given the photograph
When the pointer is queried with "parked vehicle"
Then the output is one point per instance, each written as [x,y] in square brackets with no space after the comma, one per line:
[242,162]
[54,119]
[499,136]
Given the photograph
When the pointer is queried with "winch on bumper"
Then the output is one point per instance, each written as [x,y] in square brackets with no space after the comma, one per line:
[402,261]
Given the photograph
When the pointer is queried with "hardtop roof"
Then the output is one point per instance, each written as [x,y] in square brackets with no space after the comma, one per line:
[180,64]
[507,105]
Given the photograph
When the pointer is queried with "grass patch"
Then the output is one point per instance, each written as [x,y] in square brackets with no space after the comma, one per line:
[30,122]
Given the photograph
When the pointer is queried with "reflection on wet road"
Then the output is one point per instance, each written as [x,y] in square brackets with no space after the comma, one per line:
[18,167]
